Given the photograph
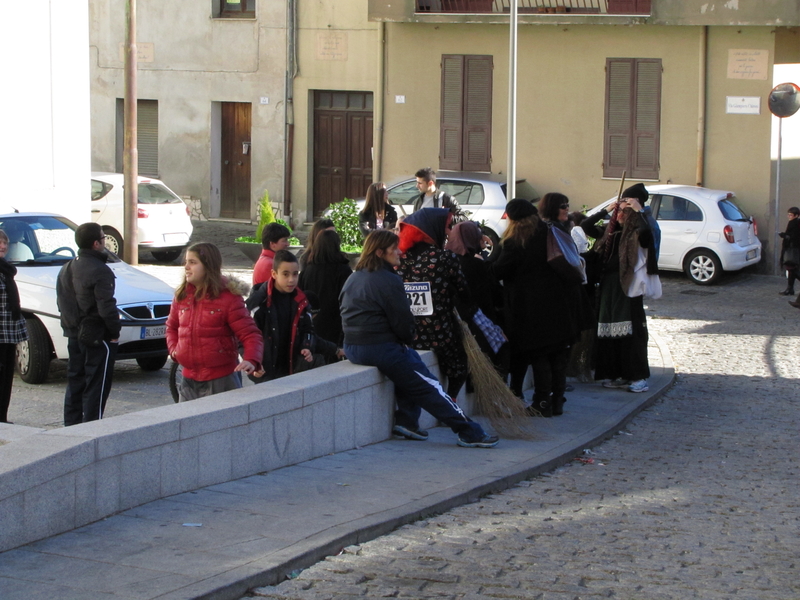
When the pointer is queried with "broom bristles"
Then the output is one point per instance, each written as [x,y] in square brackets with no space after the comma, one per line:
[494,400]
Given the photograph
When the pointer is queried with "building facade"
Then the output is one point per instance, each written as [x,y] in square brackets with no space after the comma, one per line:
[211,97]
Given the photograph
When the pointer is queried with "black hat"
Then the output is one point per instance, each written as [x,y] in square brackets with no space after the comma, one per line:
[637,191]
[518,209]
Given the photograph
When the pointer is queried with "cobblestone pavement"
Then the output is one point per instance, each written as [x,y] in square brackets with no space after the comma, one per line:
[697,498]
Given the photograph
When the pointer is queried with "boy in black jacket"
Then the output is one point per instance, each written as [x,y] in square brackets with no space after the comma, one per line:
[282,312]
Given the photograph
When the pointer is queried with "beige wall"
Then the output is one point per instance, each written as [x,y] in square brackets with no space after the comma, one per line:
[196,61]
[561,85]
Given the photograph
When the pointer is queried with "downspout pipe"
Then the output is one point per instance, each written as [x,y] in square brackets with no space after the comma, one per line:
[291,73]
[701,106]
[380,98]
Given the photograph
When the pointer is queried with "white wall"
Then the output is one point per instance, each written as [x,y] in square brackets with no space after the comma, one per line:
[44,109]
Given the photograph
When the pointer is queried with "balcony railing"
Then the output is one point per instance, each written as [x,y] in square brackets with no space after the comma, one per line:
[580,7]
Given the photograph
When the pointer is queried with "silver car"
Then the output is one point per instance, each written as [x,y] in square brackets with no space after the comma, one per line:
[482,196]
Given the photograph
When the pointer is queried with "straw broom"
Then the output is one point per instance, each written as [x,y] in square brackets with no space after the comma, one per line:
[506,412]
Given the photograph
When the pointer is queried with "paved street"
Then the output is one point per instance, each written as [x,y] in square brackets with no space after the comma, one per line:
[697,498]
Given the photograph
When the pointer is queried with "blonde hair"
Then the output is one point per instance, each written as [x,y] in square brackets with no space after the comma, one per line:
[519,232]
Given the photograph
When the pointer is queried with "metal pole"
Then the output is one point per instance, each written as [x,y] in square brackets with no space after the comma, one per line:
[776,253]
[130,156]
[511,186]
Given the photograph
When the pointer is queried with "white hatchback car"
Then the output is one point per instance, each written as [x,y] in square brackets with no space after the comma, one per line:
[164,223]
[703,231]
[40,244]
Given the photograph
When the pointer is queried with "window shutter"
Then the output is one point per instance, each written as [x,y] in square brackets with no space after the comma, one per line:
[477,113]
[648,117]
[147,137]
[619,75]
[451,130]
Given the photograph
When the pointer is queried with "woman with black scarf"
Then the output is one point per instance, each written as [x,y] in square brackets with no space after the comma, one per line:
[12,326]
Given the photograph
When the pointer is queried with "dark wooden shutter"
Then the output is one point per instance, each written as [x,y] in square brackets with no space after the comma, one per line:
[646,128]
[465,139]
[619,108]
[477,143]
[451,132]
[633,118]
[147,137]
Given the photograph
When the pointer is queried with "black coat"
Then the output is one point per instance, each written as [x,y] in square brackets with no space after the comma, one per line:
[326,281]
[540,308]
[367,221]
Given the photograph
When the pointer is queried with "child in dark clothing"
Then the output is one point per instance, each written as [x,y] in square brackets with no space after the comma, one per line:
[283,315]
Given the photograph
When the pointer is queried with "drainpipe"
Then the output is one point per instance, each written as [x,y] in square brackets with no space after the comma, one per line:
[377,143]
[291,73]
[701,106]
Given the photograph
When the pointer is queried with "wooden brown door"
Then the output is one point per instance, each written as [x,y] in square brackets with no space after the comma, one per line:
[235,155]
[342,147]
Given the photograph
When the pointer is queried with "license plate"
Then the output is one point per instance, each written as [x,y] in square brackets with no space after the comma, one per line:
[752,254]
[152,333]
[176,238]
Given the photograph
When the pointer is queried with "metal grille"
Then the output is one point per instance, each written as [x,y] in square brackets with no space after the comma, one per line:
[145,312]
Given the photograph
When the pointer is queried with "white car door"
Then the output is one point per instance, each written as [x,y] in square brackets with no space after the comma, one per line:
[681,222]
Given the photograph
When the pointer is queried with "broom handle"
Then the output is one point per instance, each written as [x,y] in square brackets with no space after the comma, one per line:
[619,193]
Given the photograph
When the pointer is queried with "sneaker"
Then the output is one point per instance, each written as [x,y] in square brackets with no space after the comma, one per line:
[487,441]
[410,434]
[617,383]
[638,386]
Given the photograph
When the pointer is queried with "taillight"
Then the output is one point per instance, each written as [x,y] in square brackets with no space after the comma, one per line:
[728,231]
[755,226]
[188,213]
[142,213]
[505,216]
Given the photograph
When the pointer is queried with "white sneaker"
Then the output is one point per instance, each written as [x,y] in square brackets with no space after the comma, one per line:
[638,386]
[617,383]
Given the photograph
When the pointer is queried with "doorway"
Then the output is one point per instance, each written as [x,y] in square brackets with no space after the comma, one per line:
[235,202]
[342,146]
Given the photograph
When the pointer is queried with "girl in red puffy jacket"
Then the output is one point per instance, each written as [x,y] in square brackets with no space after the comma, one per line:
[207,322]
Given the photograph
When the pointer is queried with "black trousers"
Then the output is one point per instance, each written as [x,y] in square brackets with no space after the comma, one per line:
[89,372]
[7,356]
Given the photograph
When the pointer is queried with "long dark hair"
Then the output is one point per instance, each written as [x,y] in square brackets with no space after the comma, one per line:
[213,283]
[376,199]
[382,239]
[327,249]
[317,228]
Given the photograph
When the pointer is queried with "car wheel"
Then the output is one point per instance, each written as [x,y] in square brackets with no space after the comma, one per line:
[33,355]
[166,255]
[703,267]
[174,376]
[493,247]
[151,363]
[114,241]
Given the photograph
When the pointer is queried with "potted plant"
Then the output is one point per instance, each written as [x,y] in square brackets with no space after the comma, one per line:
[344,215]
[251,246]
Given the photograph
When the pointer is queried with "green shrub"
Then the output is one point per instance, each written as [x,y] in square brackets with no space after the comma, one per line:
[344,215]
[265,214]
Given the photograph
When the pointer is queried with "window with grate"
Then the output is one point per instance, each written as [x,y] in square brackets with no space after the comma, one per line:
[465,139]
[632,118]
[237,8]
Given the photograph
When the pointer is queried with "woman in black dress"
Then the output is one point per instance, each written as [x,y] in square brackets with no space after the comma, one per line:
[378,213]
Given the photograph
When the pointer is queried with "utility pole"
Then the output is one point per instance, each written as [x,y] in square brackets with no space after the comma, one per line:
[130,156]
[511,169]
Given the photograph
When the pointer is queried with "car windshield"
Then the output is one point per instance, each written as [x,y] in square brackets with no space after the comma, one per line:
[523,190]
[155,193]
[731,211]
[43,239]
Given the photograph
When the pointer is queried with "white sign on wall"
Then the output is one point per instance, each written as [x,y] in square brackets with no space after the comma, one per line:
[743,105]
